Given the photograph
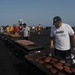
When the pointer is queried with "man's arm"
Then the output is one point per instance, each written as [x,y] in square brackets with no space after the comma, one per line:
[51,45]
[51,42]
[73,42]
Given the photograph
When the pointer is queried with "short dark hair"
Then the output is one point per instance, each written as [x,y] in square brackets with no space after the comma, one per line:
[24,23]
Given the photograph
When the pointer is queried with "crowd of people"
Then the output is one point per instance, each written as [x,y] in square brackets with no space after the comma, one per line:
[21,28]
[59,36]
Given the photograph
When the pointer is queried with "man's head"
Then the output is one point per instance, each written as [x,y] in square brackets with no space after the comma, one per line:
[57,21]
[24,25]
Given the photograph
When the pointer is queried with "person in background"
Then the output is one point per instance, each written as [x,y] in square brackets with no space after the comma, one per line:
[20,27]
[16,28]
[39,29]
[11,29]
[1,29]
[33,28]
[21,22]
[60,39]
[7,29]
[26,32]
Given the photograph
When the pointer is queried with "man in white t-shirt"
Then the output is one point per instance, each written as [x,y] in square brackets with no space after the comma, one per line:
[26,32]
[60,39]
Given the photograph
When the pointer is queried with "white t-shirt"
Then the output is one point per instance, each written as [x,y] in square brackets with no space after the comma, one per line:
[25,31]
[62,39]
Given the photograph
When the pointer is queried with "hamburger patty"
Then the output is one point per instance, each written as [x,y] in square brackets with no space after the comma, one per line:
[53,70]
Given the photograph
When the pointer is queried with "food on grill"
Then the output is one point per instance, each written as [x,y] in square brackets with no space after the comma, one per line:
[66,67]
[41,61]
[25,42]
[47,59]
[12,35]
[48,66]
[43,56]
[54,59]
[36,59]
[60,73]
[53,65]
[68,70]
[67,64]
[62,61]
[39,57]
[73,70]
[58,66]
[52,62]
[53,70]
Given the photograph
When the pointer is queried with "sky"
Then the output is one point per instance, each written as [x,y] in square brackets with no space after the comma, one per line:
[34,12]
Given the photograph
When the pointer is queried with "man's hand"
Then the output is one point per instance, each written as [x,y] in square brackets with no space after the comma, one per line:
[51,46]
[51,49]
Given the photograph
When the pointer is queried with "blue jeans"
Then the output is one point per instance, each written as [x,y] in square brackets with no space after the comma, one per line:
[66,55]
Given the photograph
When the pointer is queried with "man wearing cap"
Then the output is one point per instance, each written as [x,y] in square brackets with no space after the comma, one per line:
[60,39]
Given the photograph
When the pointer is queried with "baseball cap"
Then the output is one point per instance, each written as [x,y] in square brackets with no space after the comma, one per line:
[56,19]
